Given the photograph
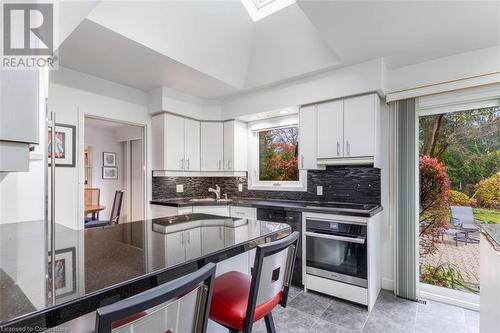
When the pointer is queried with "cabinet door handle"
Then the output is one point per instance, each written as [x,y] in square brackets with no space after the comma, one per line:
[302,161]
[229,164]
[348,147]
[219,164]
[189,237]
[182,237]
[188,163]
[338,148]
[182,163]
[220,232]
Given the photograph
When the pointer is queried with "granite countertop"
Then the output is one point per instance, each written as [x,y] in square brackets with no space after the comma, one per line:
[492,234]
[118,261]
[342,208]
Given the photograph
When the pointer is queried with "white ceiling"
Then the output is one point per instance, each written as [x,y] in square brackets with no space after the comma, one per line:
[404,32]
[212,49]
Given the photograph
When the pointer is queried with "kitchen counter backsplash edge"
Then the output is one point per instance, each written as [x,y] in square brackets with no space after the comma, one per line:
[353,184]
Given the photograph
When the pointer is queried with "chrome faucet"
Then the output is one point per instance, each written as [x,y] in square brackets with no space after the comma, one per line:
[216,191]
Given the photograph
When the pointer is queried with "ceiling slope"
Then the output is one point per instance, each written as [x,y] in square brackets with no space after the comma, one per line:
[96,50]
[286,45]
[213,37]
[404,32]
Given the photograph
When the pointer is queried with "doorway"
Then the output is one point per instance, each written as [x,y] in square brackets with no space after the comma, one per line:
[114,162]
[458,163]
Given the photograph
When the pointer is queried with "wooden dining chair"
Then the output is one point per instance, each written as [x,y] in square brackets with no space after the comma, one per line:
[179,306]
[115,213]
[93,198]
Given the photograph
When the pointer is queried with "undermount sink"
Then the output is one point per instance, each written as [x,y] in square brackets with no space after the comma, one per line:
[202,200]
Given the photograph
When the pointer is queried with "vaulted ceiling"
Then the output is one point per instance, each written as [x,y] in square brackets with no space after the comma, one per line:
[213,49]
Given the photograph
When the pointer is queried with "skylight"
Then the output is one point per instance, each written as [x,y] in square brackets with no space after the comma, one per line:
[258,9]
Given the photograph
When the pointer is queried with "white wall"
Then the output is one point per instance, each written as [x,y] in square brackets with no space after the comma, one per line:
[166,99]
[71,95]
[352,80]
[102,140]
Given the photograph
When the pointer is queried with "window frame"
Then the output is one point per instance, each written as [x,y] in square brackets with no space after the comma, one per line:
[254,183]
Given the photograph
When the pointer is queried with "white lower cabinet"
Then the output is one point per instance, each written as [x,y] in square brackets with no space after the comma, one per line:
[213,239]
[174,246]
[212,210]
[182,246]
[192,243]
[158,211]
[243,212]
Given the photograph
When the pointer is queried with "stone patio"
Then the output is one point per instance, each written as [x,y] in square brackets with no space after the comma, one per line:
[464,257]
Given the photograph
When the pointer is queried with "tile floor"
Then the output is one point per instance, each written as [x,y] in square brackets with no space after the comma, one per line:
[316,313]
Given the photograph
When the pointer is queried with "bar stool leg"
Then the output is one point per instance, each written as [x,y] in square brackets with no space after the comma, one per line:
[270,323]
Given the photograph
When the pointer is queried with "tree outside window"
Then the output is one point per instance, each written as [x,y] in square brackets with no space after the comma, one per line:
[278,154]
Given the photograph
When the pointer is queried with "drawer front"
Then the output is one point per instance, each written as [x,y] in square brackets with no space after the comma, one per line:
[213,210]
[243,212]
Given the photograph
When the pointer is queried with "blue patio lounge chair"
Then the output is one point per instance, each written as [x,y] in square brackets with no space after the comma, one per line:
[462,219]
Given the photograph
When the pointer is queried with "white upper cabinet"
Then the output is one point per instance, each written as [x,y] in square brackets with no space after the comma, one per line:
[347,130]
[359,126]
[192,145]
[235,146]
[308,127]
[330,134]
[176,143]
[184,145]
[212,143]
[20,99]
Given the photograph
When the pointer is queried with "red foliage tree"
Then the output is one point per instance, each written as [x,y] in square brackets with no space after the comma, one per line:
[434,196]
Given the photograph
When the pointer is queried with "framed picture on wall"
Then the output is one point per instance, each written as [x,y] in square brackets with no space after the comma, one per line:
[65,272]
[108,159]
[65,145]
[109,173]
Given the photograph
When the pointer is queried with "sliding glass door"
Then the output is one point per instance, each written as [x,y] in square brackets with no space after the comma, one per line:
[459,161]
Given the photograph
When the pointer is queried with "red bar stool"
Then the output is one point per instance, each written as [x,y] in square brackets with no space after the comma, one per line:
[239,300]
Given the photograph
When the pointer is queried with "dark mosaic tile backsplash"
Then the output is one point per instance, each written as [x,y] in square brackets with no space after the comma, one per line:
[357,184]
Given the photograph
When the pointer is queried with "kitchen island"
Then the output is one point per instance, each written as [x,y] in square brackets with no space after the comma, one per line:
[115,262]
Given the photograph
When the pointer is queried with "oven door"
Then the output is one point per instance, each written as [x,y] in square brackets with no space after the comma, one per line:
[337,256]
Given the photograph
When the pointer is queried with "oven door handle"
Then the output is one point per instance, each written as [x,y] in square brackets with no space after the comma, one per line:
[358,240]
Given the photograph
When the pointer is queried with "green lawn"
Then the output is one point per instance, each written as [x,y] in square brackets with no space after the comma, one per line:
[488,215]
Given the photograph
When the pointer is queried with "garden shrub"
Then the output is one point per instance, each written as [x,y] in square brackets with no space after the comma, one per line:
[458,198]
[487,192]
[434,190]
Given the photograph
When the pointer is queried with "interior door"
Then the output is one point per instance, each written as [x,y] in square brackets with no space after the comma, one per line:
[137,180]
[192,144]
[174,145]
[331,129]
[359,126]
[212,143]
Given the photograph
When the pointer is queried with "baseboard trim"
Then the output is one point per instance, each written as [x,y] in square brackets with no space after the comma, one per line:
[452,297]
[387,284]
